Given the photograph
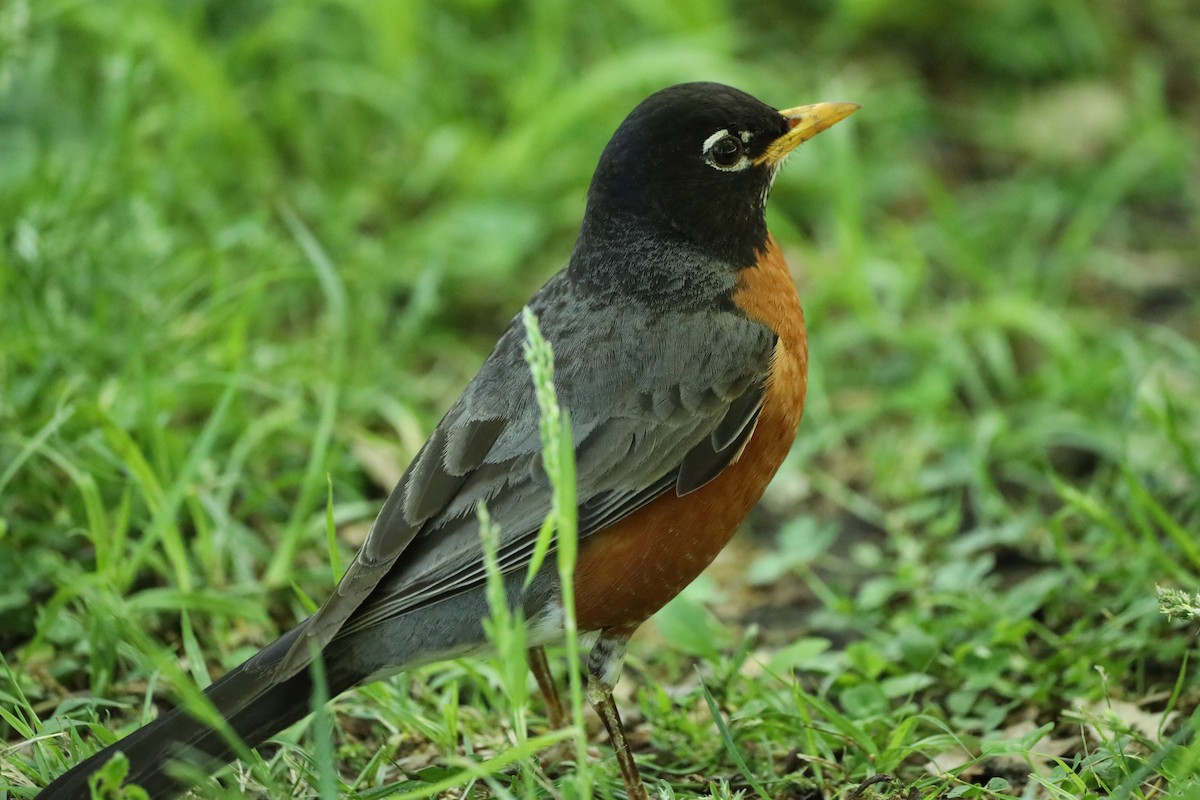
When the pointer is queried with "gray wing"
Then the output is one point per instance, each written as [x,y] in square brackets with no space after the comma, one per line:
[658,402]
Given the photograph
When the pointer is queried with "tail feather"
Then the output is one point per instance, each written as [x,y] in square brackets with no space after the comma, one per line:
[259,699]
[255,706]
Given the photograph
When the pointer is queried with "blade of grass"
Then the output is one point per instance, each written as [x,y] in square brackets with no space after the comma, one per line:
[730,745]
[558,453]
[336,321]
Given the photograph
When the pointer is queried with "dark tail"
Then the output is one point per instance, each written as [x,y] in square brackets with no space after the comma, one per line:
[255,705]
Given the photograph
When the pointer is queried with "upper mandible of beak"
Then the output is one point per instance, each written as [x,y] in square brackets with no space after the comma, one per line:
[805,122]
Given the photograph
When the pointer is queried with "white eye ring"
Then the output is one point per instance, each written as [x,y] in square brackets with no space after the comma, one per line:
[720,157]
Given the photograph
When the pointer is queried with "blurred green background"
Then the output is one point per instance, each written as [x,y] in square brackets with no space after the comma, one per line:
[251,251]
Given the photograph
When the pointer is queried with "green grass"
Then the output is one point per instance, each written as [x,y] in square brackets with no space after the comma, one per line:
[250,252]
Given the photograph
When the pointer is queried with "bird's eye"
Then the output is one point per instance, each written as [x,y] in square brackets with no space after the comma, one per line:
[725,151]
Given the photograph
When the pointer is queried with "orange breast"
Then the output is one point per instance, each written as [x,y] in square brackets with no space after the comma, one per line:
[629,571]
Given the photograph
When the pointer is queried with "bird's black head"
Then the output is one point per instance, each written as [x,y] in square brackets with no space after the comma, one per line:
[691,167]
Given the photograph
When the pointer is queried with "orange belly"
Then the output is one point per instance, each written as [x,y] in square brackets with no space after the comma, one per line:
[629,571]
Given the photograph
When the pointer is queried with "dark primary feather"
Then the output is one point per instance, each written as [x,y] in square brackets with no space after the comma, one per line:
[705,461]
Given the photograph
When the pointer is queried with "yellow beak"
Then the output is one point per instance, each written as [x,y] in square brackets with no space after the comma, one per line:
[805,122]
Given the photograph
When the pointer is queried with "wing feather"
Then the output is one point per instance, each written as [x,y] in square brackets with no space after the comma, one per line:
[658,402]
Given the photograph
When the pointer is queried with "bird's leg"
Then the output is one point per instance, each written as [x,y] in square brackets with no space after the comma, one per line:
[555,713]
[604,668]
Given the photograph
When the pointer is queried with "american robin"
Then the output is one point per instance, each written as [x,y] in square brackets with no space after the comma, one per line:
[681,357]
